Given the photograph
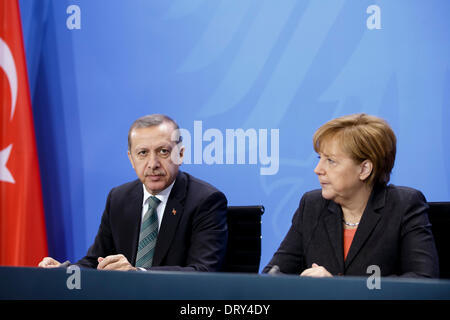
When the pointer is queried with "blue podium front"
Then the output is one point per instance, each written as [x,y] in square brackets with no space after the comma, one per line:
[18,283]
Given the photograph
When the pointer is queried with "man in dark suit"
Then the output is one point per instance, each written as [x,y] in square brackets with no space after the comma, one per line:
[165,220]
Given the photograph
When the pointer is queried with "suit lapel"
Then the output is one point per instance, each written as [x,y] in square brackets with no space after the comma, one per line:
[132,218]
[171,217]
[333,225]
[369,221]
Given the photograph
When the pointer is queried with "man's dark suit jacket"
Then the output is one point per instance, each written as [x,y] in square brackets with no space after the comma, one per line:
[394,234]
[193,232]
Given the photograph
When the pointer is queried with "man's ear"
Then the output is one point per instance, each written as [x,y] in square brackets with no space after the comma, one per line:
[366,169]
[181,153]
[177,154]
[131,159]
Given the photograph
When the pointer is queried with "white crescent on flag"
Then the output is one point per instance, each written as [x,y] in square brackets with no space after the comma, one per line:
[8,65]
[5,174]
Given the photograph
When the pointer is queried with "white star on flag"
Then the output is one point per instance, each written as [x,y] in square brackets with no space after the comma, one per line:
[5,175]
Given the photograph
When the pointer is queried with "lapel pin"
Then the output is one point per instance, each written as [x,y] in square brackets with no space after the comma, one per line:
[174,212]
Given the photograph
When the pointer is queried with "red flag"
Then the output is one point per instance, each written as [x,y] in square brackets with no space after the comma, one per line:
[23,240]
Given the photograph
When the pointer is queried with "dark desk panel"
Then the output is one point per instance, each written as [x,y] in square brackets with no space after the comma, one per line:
[36,283]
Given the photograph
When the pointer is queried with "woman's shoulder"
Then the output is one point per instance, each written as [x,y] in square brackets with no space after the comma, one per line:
[404,196]
[314,193]
[404,192]
[313,200]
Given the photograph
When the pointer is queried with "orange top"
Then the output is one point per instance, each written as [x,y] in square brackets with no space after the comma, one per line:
[348,238]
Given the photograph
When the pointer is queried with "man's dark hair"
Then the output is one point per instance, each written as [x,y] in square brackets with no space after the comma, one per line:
[153,120]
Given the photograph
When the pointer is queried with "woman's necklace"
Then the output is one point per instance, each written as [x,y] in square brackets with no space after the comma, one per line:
[350,224]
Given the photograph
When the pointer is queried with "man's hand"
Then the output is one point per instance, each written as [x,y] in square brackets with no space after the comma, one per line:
[115,262]
[49,262]
[316,271]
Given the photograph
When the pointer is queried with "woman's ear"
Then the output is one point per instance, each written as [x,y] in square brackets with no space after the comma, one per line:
[366,169]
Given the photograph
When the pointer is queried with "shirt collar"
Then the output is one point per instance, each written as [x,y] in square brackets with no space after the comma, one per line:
[163,195]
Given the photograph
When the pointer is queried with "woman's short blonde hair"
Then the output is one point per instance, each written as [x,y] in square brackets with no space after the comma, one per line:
[362,137]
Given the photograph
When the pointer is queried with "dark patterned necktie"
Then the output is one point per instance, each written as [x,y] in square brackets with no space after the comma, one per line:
[148,235]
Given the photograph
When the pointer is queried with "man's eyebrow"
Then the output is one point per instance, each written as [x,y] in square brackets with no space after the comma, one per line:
[166,144]
[141,148]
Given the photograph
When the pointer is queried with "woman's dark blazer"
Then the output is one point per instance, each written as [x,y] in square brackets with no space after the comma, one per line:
[394,234]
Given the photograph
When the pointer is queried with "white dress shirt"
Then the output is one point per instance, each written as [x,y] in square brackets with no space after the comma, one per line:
[163,196]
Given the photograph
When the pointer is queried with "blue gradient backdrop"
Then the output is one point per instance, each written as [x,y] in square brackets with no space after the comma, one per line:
[287,65]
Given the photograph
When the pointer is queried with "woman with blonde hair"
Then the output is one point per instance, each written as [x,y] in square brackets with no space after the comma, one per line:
[356,219]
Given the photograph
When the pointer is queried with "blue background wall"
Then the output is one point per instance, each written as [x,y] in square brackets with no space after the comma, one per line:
[287,65]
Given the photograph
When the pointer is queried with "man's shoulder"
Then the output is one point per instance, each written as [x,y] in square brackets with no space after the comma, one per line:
[128,187]
[196,189]
[197,183]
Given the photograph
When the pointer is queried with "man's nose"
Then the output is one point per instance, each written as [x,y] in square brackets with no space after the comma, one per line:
[153,161]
